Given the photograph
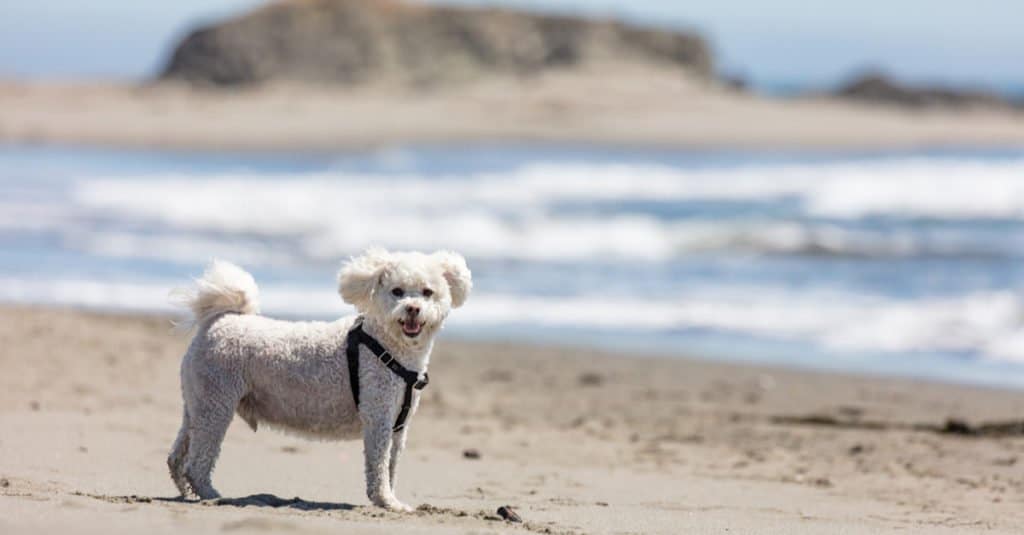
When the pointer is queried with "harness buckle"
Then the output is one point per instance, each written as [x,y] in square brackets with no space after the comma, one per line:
[420,384]
[386,358]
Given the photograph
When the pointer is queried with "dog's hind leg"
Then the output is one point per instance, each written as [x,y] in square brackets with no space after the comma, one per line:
[176,459]
[205,439]
[209,418]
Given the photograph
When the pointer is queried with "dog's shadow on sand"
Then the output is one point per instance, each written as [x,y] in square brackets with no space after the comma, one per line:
[257,500]
[270,500]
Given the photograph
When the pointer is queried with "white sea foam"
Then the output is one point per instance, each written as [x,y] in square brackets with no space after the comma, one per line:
[519,214]
[153,296]
[987,323]
[942,188]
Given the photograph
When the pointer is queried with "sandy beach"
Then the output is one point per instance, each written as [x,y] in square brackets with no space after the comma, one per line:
[644,190]
[627,106]
[574,440]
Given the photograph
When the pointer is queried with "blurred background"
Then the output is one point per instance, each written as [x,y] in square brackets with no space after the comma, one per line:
[881,231]
[785,46]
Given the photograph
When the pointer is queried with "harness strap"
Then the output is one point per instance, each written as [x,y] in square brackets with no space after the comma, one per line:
[356,337]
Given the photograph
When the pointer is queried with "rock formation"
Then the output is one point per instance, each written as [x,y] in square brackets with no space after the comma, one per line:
[876,88]
[359,41]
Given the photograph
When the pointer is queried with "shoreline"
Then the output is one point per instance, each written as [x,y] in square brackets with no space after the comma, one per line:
[275,152]
[633,109]
[327,150]
[854,369]
[576,440]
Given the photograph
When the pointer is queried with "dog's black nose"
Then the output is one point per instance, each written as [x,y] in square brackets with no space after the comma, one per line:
[412,310]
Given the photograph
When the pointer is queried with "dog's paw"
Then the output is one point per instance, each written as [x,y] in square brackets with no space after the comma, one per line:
[403,508]
[396,506]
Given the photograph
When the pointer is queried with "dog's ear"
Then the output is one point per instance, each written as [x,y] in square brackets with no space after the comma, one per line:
[460,279]
[359,276]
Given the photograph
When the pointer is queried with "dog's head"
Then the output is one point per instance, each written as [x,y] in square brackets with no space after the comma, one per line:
[408,293]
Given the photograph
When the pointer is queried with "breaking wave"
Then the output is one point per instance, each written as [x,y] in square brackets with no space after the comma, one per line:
[890,255]
[545,212]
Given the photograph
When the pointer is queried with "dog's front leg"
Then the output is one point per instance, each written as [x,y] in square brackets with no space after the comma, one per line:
[377,450]
[397,445]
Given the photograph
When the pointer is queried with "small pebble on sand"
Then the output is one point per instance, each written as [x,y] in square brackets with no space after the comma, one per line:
[507,513]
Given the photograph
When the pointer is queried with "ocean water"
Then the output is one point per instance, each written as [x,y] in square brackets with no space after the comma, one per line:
[893,263]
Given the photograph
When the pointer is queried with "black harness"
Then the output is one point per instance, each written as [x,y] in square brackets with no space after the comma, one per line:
[356,337]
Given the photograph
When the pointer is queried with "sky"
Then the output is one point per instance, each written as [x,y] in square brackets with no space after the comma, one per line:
[773,43]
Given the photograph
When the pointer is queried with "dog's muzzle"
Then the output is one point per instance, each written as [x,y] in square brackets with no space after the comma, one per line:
[411,324]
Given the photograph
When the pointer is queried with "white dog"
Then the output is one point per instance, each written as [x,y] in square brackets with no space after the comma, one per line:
[295,375]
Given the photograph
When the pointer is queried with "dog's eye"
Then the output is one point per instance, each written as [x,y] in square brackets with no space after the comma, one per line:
[427,292]
[397,292]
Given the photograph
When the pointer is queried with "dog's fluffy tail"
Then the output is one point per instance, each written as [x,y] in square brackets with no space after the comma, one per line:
[224,287]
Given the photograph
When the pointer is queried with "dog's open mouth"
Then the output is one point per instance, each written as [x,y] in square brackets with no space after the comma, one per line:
[411,328]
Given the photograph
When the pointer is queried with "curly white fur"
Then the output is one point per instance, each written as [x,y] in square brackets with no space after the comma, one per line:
[224,287]
[294,375]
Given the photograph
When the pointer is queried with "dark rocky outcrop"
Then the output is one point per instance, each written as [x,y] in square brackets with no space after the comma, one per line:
[357,41]
[876,88]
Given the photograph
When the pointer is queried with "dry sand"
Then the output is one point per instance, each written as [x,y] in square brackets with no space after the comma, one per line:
[630,105]
[576,441]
